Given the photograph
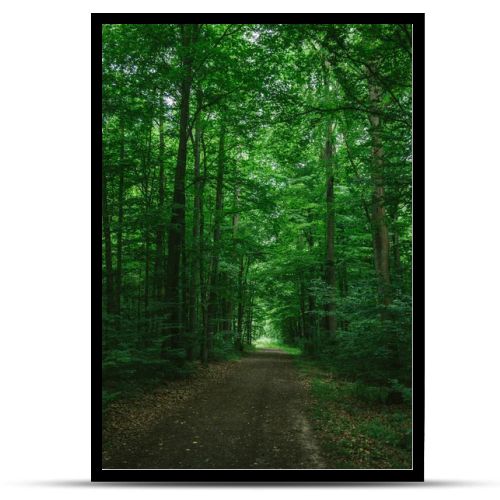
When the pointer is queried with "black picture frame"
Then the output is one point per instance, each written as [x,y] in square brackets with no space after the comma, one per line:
[265,476]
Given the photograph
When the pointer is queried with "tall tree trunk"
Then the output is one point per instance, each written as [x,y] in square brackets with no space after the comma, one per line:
[108,252]
[239,324]
[331,320]
[201,261]
[214,273]
[194,277]
[177,220]
[184,305]
[226,305]
[342,270]
[238,257]
[396,251]
[311,302]
[147,267]
[379,224]
[160,228]
[249,316]
[119,233]
[302,289]
[147,232]
[302,306]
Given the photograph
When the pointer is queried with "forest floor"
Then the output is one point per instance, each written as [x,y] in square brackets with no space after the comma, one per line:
[249,413]
[268,410]
[354,426]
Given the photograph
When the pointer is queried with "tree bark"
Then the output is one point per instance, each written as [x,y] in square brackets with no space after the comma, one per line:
[194,277]
[249,316]
[302,305]
[119,233]
[177,220]
[331,320]
[239,324]
[396,251]
[311,302]
[213,293]
[379,224]
[160,228]
[108,252]
[147,191]
[201,262]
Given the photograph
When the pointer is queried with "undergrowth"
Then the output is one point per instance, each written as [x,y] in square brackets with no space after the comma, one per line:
[360,426]
[126,373]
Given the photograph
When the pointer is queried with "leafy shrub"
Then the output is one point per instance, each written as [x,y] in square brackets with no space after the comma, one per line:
[369,394]
[401,389]
[224,348]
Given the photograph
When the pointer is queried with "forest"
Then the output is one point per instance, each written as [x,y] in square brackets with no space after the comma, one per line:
[257,191]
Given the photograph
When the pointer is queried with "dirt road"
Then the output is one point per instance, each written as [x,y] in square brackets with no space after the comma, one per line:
[253,418]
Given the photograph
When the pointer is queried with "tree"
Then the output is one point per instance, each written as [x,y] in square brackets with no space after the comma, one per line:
[176,230]
[256,179]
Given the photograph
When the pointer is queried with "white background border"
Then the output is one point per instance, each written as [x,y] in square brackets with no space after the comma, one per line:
[45,248]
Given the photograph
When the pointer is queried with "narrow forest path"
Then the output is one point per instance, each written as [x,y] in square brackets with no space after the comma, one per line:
[253,417]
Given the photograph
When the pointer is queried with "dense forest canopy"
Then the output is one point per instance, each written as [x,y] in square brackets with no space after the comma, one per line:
[256,180]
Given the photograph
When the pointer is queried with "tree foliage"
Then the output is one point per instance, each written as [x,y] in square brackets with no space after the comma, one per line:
[256,179]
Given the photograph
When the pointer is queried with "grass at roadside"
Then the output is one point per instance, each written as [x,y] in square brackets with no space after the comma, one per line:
[356,425]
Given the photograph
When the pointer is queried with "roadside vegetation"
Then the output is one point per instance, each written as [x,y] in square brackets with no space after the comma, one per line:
[358,426]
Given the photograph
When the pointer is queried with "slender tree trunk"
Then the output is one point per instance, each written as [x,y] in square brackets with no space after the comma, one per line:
[184,305]
[249,314]
[331,321]
[147,233]
[160,228]
[238,257]
[194,277]
[177,220]
[201,261]
[226,326]
[119,234]
[147,268]
[396,251]
[379,225]
[213,293]
[302,305]
[239,325]
[311,303]
[108,252]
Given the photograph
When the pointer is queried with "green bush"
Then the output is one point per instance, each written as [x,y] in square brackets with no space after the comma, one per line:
[369,394]
[401,389]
